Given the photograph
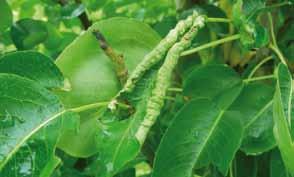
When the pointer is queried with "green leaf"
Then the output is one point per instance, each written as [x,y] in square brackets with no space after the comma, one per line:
[27,33]
[84,58]
[54,39]
[246,10]
[32,65]
[6,16]
[245,14]
[255,106]
[281,112]
[253,35]
[165,25]
[70,11]
[92,76]
[117,140]
[277,167]
[30,117]
[201,134]
[213,82]
[220,29]
[285,39]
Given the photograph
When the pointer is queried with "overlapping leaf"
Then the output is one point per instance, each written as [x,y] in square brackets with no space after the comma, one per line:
[28,113]
[282,112]
[32,65]
[217,82]
[255,106]
[117,139]
[245,19]
[204,132]
[92,76]
[200,134]
[27,33]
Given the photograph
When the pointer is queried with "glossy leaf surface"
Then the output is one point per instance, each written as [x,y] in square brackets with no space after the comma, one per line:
[27,112]
[213,82]
[282,101]
[117,140]
[32,65]
[255,107]
[200,134]
[92,76]
[27,33]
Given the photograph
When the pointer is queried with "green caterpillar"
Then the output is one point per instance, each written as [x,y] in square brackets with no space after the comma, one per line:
[156,101]
[158,52]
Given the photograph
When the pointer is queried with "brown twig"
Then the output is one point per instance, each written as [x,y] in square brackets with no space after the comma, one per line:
[117,59]
[83,16]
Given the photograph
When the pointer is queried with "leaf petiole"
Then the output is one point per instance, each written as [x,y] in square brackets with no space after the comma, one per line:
[278,52]
[211,44]
[259,65]
[175,89]
[273,45]
[88,106]
[218,20]
[259,78]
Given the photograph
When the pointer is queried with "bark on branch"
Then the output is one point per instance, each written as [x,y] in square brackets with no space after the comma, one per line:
[117,59]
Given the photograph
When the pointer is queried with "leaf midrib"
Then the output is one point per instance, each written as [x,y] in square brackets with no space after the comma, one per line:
[259,113]
[214,126]
[25,138]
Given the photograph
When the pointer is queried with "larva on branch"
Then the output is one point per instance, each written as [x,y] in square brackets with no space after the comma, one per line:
[158,52]
[164,75]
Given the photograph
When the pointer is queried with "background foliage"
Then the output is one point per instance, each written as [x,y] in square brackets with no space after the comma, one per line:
[228,111]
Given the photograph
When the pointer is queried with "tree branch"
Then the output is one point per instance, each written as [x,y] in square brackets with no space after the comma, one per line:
[117,59]
[83,16]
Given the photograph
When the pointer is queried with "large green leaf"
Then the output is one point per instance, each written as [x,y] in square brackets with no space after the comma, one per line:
[213,82]
[92,76]
[201,134]
[29,123]
[255,106]
[6,16]
[281,111]
[117,140]
[87,67]
[32,65]
[27,33]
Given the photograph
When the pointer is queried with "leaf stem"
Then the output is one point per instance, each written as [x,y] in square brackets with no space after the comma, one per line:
[89,106]
[259,78]
[231,170]
[175,89]
[272,31]
[259,65]
[211,44]
[83,17]
[278,52]
[278,5]
[273,45]
[218,20]
[116,59]
[96,105]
